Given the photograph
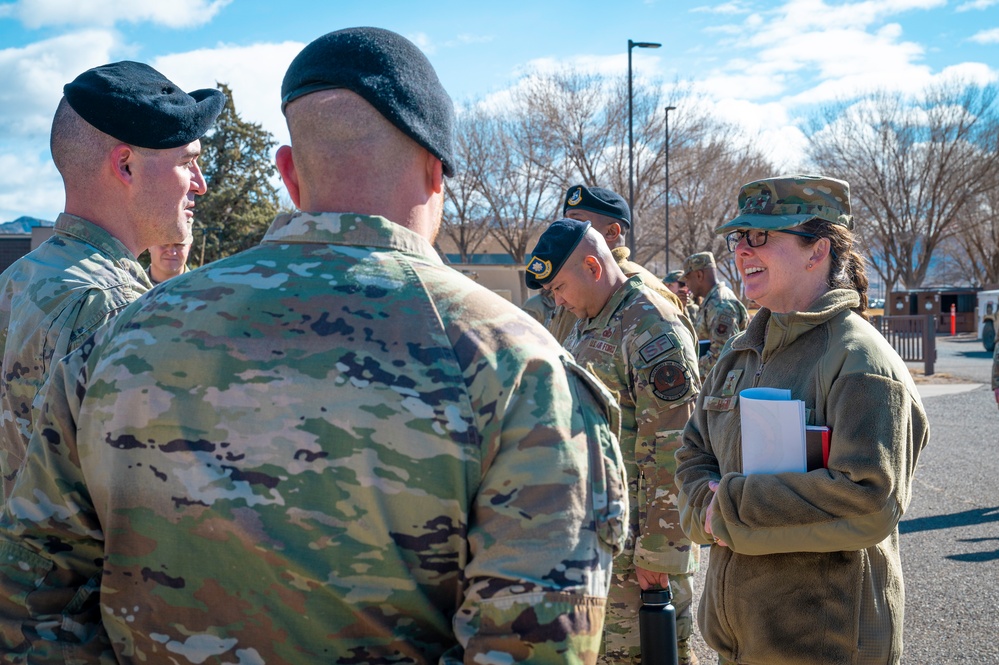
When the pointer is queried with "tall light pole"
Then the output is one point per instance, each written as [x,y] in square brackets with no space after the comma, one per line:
[668,109]
[631,146]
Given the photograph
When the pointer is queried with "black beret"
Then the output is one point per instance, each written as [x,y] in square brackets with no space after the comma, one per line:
[136,104]
[390,73]
[598,200]
[553,248]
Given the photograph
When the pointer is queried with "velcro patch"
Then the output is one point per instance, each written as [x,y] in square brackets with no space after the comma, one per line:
[724,324]
[731,381]
[657,347]
[670,380]
[720,403]
[602,346]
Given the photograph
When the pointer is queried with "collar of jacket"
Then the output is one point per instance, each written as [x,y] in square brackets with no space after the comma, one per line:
[341,228]
[618,298]
[88,232]
[768,330]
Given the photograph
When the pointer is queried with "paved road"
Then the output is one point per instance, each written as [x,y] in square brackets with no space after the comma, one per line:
[950,534]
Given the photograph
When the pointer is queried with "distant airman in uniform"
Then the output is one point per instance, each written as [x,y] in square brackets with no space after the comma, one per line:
[610,215]
[675,283]
[721,315]
[637,343]
[995,372]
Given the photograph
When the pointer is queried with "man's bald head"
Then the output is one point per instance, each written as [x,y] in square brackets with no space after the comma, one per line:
[78,148]
[335,132]
[345,156]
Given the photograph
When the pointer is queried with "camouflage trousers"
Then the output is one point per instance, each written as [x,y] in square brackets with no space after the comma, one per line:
[621,644]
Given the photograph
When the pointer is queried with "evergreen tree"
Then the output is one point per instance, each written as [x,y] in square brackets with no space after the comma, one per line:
[241,200]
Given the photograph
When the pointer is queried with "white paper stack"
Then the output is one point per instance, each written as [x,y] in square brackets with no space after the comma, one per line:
[773,431]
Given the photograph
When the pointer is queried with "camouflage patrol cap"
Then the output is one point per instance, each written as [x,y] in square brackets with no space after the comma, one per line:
[698,261]
[774,204]
[599,200]
[673,277]
[553,248]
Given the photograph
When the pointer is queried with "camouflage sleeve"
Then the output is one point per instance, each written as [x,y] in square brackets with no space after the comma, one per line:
[995,368]
[51,543]
[561,323]
[723,326]
[95,309]
[526,599]
[666,382]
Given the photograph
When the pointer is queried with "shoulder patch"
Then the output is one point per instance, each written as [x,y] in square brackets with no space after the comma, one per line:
[670,380]
[660,345]
[724,324]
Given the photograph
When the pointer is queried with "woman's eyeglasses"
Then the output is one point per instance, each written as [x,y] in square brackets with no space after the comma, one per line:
[757,237]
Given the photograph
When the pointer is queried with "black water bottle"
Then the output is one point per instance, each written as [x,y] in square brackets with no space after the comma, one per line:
[657,627]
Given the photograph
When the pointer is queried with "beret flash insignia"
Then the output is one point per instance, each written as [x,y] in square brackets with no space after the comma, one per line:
[540,268]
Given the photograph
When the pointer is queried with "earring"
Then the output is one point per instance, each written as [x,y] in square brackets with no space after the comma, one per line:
[808,267]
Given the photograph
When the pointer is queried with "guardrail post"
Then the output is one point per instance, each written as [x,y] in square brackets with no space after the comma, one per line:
[929,344]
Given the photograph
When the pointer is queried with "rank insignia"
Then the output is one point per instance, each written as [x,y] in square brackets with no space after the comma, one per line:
[540,268]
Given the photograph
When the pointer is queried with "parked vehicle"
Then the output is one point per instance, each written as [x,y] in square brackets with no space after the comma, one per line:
[988,310]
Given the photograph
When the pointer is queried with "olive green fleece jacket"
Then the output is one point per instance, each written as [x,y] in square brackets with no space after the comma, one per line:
[811,573]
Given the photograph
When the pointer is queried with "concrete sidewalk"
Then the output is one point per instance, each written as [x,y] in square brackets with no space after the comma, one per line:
[937,389]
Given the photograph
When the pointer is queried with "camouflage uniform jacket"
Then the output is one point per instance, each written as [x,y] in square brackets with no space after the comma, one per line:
[721,316]
[540,306]
[995,368]
[51,300]
[328,448]
[692,311]
[639,348]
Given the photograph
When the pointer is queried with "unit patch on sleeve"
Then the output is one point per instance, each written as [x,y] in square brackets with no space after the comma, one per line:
[670,380]
[658,346]
[724,324]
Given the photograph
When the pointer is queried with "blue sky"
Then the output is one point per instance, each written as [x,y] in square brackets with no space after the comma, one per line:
[763,64]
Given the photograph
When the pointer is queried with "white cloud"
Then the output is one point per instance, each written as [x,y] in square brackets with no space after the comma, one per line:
[644,65]
[429,46]
[767,127]
[465,39]
[986,36]
[173,14]
[810,51]
[32,185]
[253,73]
[976,73]
[724,8]
[423,41]
[32,77]
[976,5]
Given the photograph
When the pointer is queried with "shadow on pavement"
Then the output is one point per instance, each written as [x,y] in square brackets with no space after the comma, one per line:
[976,557]
[967,518]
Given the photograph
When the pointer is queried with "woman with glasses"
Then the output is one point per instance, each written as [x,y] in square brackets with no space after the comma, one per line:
[804,566]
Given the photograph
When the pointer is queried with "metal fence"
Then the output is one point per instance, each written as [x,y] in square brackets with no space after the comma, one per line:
[913,337]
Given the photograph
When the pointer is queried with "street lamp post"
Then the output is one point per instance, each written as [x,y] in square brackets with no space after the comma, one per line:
[631,145]
[668,109]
